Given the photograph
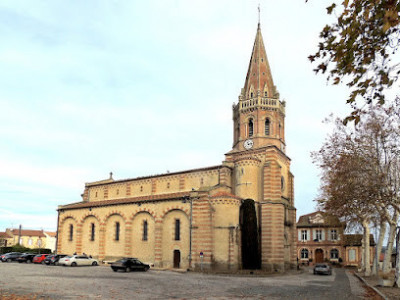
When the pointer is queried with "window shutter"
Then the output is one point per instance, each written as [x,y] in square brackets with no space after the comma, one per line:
[299,232]
[308,234]
[323,235]
[314,234]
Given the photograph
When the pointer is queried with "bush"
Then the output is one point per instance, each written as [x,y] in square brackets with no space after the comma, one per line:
[19,248]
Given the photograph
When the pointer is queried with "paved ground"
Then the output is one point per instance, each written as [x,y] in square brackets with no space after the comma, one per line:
[100,282]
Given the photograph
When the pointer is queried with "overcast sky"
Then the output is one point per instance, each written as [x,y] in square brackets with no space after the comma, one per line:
[142,87]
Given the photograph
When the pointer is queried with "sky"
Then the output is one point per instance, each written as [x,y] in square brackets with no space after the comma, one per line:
[140,88]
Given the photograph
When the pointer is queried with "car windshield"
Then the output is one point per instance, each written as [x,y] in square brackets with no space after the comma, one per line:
[321,266]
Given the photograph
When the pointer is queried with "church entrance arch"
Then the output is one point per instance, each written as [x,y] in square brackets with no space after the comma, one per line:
[177,259]
[251,258]
[319,256]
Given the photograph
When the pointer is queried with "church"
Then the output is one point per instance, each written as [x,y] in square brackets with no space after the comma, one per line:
[195,219]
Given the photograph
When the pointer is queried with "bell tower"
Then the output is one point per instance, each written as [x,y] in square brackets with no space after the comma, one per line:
[260,166]
[259,116]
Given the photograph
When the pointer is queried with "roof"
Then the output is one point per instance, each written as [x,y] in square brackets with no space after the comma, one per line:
[4,235]
[86,204]
[28,232]
[356,240]
[319,219]
[51,233]
[259,73]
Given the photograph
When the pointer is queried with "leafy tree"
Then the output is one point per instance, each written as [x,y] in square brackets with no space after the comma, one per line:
[361,172]
[359,49]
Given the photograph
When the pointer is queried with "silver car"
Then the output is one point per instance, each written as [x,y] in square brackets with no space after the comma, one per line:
[322,269]
[77,260]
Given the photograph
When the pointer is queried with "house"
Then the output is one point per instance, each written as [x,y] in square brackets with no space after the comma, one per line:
[321,238]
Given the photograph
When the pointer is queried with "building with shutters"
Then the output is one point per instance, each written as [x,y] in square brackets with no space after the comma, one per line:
[167,220]
[321,238]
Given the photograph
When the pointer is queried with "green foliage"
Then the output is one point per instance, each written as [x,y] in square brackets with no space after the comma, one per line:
[359,49]
[22,249]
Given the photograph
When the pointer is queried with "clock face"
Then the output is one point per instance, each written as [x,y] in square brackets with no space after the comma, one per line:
[248,144]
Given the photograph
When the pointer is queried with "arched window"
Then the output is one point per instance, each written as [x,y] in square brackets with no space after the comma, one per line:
[334,254]
[282,183]
[267,127]
[144,230]
[304,253]
[71,232]
[251,127]
[266,94]
[92,230]
[117,226]
[251,95]
[177,230]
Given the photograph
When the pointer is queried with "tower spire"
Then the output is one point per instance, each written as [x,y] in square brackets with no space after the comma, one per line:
[258,15]
[259,78]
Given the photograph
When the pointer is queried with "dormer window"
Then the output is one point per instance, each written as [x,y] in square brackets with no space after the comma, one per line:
[250,127]
[266,94]
[251,95]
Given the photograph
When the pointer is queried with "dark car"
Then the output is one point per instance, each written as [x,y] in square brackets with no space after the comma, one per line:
[322,269]
[26,258]
[10,256]
[129,264]
[53,259]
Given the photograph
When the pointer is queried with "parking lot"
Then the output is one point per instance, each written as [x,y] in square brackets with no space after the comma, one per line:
[56,282]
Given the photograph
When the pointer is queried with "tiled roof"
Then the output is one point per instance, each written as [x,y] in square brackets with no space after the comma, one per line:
[4,235]
[225,194]
[328,220]
[50,233]
[356,240]
[28,232]
[125,201]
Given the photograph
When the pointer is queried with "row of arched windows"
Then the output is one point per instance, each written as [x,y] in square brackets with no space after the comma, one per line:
[267,128]
[117,231]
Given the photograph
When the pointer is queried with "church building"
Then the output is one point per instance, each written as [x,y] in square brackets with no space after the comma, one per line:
[195,219]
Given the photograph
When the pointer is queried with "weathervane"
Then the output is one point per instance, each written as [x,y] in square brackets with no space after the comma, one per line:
[258,13]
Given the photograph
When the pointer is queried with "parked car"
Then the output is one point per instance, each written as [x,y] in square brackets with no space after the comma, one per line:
[10,256]
[53,259]
[26,258]
[39,258]
[322,269]
[78,260]
[129,264]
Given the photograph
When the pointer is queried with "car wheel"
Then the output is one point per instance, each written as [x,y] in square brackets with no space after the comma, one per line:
[146,269]
[115,270]
[28,261]
[94,263]
[315,272]
[73,264]
[127,269]
[8,259]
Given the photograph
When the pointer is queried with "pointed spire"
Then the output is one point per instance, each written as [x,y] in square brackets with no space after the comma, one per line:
[259,77]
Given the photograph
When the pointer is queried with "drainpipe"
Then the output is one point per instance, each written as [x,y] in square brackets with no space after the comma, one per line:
[190,232]
[58,220]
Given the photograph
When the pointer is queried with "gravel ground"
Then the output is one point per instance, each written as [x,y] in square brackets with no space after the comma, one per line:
[48,282]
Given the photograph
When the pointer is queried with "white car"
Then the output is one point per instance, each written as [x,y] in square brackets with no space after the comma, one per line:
[77,260]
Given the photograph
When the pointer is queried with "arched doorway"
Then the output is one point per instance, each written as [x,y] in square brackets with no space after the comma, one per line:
[177,259]
[319,256]
[251,258]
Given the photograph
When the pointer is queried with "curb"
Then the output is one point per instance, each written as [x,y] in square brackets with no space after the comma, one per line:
[367,284]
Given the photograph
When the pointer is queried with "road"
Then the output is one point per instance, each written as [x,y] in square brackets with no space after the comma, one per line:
[101,283]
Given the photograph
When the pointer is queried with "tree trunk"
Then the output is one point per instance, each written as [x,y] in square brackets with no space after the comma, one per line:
[397,273]
[382,232]
[367,258]
[389,248]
